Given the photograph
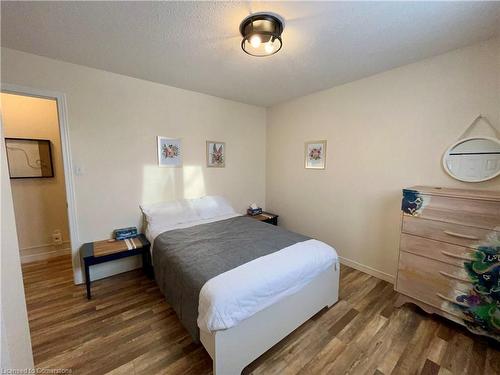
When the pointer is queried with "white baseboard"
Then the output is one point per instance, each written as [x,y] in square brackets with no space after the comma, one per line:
[366,269]
[43,252]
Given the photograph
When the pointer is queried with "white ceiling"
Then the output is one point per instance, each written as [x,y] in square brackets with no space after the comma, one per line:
[196,45]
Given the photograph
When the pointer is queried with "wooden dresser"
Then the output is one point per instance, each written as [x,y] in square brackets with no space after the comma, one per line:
[449,258]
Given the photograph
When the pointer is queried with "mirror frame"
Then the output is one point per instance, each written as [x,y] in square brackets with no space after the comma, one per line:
[462,141]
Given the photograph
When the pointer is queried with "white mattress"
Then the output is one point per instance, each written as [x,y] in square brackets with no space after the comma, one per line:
[237,294]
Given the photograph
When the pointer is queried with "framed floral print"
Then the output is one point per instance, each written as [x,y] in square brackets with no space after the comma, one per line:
[315,155]
[169,152]
[216,154]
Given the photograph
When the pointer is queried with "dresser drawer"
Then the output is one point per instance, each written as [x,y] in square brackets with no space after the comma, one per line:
[431,281]
[438,250]
[447,232]
[476,213]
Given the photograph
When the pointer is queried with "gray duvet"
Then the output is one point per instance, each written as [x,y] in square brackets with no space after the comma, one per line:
[185,259]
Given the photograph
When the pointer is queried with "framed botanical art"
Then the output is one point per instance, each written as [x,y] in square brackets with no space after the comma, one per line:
[216,154]
[169,152]
[315,155]
[29,158]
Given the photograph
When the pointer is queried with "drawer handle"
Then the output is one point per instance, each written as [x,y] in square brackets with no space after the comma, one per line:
[455,277]
[460,235]
[457,256]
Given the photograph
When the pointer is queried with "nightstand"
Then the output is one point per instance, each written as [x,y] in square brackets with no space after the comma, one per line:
[266,217]
[107,250]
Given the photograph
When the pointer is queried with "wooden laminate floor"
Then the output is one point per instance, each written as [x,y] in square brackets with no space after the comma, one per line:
[128,328]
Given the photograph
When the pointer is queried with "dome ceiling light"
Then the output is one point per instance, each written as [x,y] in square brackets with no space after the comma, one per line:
[261,34]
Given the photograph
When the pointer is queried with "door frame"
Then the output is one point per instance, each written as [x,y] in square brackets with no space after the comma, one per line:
[69,183]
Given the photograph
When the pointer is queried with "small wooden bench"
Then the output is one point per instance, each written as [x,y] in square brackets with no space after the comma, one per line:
[107,250]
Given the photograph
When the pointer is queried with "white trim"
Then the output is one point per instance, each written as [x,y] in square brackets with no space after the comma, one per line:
[43,252]
[45,245]
[447,170]
[67,163]
[369,270]
[27,248]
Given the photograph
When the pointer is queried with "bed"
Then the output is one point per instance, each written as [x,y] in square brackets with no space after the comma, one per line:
[237,285]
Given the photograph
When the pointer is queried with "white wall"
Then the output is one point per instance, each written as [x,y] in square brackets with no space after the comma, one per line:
[39,203]
[15,341]
[113,124]
[384,133]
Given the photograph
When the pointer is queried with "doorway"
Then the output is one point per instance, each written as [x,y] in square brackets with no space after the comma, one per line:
[62,269]
[66,170]
[35,163]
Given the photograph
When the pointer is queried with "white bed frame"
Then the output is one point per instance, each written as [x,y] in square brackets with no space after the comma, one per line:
[233,349]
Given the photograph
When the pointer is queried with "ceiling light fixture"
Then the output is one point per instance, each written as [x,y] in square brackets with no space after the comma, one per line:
[261,34]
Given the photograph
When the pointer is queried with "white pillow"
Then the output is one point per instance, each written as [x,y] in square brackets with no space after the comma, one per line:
[169,213]
[211,206]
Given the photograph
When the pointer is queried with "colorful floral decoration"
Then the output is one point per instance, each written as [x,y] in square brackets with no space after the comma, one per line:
[413,202]
[481,304]
[170,151]
[315,153]
[217,155]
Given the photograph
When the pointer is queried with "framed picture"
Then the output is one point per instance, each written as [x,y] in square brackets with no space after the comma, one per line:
[216,154]
[169,152]
[29,158]
[315,155]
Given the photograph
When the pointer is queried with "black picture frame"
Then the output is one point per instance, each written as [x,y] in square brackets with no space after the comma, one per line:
[45,152]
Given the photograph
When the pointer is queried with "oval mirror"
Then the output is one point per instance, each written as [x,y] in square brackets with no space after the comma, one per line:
[473,159]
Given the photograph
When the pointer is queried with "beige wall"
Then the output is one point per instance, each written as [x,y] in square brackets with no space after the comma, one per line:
[384,133]
[113,123]
[39,203]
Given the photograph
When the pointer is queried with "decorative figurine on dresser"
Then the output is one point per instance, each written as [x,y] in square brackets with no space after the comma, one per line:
[449,259]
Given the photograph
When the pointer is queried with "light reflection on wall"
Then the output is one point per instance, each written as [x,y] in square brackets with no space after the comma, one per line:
[167,184]
[194,182]
[161,184]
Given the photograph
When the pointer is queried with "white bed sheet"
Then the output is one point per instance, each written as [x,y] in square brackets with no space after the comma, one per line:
[237,294]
